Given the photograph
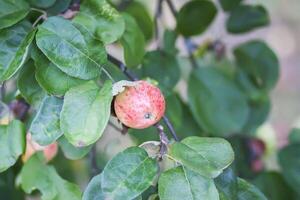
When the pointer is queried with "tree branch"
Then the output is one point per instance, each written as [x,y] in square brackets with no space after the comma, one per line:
[157,15]
[133,77]
[189,45]
[2,91]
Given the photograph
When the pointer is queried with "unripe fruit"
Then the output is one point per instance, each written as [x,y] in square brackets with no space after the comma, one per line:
[32,147]
[140,106]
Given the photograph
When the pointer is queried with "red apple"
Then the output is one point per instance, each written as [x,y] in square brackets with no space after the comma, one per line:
[140,106]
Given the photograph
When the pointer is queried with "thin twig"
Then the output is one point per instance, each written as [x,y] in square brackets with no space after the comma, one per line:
[115,126]
[164,141]
[157,15]
[170,127]
[2,91]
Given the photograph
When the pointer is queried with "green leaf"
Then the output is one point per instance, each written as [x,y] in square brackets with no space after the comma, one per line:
[15,42]
[217,104]
[260,62]
[259,112]
[37,175]
[66,47]
[142,17]
[289,161]
[58,7]
[174,110]
[41,3]
[247,191]
[128,174]
[12,11]
[273,186]
[163,68]
[246,18]
[45,128]
[50,77]
[101,19]
[28,86]
[207,156]
[180,183]
[227,185]
[12,143]
[71,152]
[195,17]
[294,136]
[229,5]
[133,42]
[86,112]
[93,190]
[169,42]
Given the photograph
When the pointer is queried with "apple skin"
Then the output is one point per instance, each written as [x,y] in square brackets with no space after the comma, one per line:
[140,106]
[32,147]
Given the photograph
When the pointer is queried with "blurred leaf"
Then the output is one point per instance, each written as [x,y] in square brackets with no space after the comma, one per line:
[101,19]
[174,110]
[249,87]
[86,112]
[169,43]
[114,71]
[71,152]
[142,135]
[195,17]
[8,189]
[180,183]
[294,136]
[246,18]
[41,3]
[65,46]
[142,17]
[133,42]
[259,61]
[273,186]
[128,174]
[58,7]
[243,156]
[12,143]
[28,86]
[289,161]
[37,175]
[12,11]
[259,112]
[163,68]
[93,190]
[14,47]
[207,156]
[247,191]
[229,5]
[217,104]
[45,128]
[50,77]
[227,185]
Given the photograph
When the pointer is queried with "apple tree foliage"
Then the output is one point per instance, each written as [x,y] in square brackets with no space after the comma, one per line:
[57,74]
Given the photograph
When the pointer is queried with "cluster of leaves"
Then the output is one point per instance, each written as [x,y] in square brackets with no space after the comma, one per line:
[61,68]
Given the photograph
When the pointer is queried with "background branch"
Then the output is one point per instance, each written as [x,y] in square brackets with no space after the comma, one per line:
[189,45]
